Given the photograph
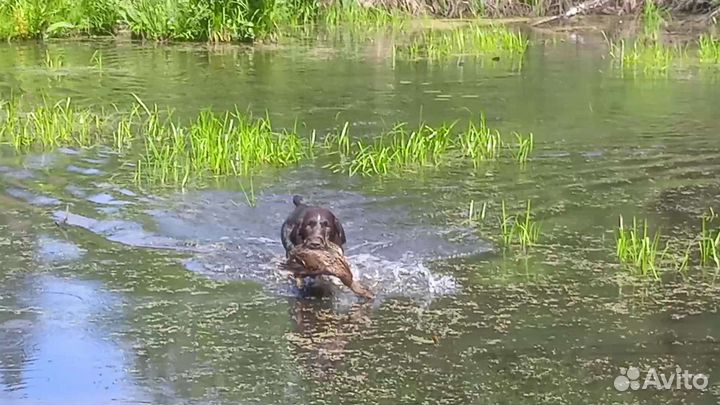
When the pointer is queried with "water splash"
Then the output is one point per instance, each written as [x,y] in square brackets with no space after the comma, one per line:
[235,242]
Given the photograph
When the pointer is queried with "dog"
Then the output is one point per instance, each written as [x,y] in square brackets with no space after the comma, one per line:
[313,227]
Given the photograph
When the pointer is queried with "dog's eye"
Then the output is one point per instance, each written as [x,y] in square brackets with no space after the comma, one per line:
[313,223]
[325,224]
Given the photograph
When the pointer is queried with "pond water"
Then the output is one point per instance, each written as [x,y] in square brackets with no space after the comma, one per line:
[111,292]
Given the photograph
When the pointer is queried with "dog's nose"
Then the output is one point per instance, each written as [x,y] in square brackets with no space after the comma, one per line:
[315,245]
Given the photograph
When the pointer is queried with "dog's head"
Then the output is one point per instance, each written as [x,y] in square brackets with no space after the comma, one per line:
[318,226]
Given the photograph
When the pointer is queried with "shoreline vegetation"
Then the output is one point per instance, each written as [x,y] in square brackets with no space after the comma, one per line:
[221,21]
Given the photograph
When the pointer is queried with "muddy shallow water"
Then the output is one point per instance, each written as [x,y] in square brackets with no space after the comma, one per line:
[110,292]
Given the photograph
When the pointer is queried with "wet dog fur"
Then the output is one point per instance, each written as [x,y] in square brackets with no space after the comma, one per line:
[311,226]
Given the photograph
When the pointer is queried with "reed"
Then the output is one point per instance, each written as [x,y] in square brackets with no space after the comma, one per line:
[473,216]
[339,143]
[24,19]
[49,125]
[709,49]
[638,250]
[244,20]
[521,229]
[53,62]
[97,60]
[472,40]
[709,241]
[123,133]
[400,150]
[250,197]
[650,59]
[653,17]
[235,142]
[356,17]
[230,143]
[480,143]
[507,228]
[524,147]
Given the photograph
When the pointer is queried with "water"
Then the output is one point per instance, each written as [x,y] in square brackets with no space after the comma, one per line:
[113,292]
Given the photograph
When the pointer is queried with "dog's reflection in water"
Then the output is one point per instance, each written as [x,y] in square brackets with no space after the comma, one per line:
[321,334]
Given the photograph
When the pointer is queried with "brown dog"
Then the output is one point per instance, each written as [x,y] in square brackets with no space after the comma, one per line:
[312,227]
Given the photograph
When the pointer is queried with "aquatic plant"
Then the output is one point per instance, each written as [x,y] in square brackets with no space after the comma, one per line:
[249,195]
[476,217]
[684,260]
[53,62]
[49,125]
[97,60]
[520,228]
[652,59]
[339,144]
[709,49]
[639,250]
[470,40]
[229,143]
[237,143]
[480,143]
[709,242]
[653,17]
[123,134]
[401,149]
[524,147]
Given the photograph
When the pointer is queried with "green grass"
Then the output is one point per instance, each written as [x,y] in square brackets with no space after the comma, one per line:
[354,16]
[48,125]
[525,147]
[649,58]
[709,49]
[638,250]
[97,60]
[471,40]
[653,18]
[53,62]
[519,229]
[40,18]
[184,20]
[480,143]
[475,217]
[402,149]
[653,58]
[236,143]
[233,143]
[647,54]
[180,20]
[709,242]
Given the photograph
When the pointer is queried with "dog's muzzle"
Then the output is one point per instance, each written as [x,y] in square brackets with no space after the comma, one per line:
[315,243]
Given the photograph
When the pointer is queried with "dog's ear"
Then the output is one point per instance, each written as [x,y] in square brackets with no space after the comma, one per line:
[339,232]
[286,236]
[295,233]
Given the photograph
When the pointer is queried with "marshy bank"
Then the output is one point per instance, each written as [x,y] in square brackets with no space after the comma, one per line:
[495,186]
